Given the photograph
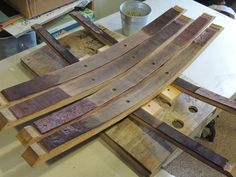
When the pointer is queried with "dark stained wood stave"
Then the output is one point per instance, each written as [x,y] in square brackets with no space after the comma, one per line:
[164,19]
[64,115]
[38,103]
[91,27]
[54,44]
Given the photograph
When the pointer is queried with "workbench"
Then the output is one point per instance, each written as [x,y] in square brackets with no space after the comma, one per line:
[214,70]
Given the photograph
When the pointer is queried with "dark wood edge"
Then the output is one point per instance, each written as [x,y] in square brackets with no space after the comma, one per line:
[205,95]
[60,50]
[185,143]
[92,28]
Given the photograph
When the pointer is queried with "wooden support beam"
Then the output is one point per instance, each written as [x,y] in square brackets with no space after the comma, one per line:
[91,27]
[205,95]
[185,143]
[58,77]
[118,109]
[60,50]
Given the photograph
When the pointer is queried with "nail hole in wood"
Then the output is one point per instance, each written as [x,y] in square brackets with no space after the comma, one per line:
[114,89]
[125,45]
[168,90]
[127,101]
[133,56]
[178,123]
[149,105]
[85,65]
[93,79]
[167,72]
[193,109]
[153,63]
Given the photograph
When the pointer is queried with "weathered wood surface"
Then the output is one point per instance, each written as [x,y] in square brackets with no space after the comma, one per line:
[195,149]
[118,109]
[60,50]
[77,69]
[92,81]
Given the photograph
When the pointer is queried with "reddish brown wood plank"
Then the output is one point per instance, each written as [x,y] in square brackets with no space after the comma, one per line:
[38,103]
[182,141]
[60,50]
[205,95]
[162,20]
[64,115]
[55,78]
[87,24]
[185,36]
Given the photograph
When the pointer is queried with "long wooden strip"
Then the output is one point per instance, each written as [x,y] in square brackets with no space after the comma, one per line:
[60,50]
[55,78]
[115,111]
[205,95]
[195,149]
[91,82]
[91,27]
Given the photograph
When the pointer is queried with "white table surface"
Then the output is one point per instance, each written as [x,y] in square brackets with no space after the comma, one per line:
[214,70]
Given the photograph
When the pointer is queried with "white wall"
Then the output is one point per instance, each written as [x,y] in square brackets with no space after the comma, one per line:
[106,7]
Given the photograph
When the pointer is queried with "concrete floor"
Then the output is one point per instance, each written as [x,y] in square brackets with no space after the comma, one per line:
[224,144]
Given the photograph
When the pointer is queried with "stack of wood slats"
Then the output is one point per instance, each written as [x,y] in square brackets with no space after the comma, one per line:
[92,95]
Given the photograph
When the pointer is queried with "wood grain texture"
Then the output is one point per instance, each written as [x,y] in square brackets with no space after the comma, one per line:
[38,103]
[192,147]
[116,110]
[206,95]
[87,24]
[54,44]
[93,81]
[27,88]
[64,115]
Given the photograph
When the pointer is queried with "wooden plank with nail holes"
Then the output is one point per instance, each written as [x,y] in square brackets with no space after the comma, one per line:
[93,81]
[115,111]
[25,89]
